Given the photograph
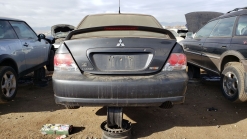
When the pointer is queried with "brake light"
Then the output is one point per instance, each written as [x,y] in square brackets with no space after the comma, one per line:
[64,62]
[176,61]
[121,28]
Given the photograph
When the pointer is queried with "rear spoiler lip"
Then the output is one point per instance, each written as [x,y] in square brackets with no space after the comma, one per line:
[103,28]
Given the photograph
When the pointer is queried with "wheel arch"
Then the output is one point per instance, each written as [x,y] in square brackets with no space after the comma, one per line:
[8,61]
[229,56]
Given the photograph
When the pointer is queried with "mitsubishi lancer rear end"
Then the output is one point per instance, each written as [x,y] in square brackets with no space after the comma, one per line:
[119,60]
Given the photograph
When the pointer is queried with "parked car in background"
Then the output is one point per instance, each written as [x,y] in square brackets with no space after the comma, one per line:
[220,47]
[177,36]
[181,32]
[60,32]
[21,52]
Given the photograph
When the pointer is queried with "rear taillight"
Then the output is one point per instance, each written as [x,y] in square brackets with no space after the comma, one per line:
[64,62]
[176,61]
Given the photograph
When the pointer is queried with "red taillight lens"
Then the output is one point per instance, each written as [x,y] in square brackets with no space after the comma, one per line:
[177,58]
[60,59]
[176,61]
[64,62]
[173,59]
[182,59]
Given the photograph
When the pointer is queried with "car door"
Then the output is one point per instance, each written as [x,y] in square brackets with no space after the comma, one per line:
[10,45]
[239,41]
[193,47]
[35,50]
[217,43]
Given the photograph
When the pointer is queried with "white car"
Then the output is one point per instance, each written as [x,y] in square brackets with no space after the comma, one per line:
[177,36]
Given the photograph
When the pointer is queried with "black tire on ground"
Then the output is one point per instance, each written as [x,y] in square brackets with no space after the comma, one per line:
[232,82]
[50,66]
[71,107]
[39,74]
[8,83]
[193,71]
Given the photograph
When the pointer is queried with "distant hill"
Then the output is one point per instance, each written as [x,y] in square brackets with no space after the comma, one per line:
[173,23]
[42,29]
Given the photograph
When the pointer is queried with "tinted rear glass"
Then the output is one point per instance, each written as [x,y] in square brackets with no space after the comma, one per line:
[242,26]
[119,19]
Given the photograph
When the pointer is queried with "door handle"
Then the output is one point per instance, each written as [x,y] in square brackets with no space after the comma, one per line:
[200,44]
[223,46]
[25,44]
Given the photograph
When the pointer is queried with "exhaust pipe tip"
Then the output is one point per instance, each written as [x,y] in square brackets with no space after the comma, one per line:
[166,105]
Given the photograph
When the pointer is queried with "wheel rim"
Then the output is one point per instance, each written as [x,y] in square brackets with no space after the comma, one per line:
[230,84]
[8,83]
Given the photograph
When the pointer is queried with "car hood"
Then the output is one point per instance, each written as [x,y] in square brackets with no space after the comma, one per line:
[195,20]
[61,30]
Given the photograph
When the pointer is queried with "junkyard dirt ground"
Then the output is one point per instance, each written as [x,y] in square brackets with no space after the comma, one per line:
[34,106]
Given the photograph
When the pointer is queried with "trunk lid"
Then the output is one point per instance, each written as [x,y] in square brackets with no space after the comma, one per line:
[125,55]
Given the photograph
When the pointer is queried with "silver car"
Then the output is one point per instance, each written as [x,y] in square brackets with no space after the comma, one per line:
[21,52]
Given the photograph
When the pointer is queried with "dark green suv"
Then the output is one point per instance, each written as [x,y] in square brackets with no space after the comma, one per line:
[220,46]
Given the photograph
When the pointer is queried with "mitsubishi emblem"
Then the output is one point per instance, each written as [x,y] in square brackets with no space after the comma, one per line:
[120,43]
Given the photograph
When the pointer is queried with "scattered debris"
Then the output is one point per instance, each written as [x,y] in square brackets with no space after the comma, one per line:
[212,78]
[218,126]
[212,109]
[60,129]
[61,137]
[25,80]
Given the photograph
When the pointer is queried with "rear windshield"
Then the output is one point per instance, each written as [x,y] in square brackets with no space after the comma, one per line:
[119,19]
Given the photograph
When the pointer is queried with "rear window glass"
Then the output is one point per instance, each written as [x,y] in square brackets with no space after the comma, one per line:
[119,19]
[242,26]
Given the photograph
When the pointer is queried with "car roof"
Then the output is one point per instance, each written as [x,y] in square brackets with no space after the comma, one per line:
[7,18]
[118,14]
[232,14]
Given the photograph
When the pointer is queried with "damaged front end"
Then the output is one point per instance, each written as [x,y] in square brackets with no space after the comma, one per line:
[60,32]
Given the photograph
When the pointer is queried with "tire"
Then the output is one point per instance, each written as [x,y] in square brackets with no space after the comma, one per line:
[71,107]
[8,80]
[232,82]
[39,74]
[193,71]
[50,65]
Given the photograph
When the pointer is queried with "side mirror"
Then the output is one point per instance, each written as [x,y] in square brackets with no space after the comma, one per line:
[41,36]
[189,35]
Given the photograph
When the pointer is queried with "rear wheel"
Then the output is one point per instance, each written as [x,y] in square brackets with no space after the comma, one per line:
[232,82]
[50,66]
[8,80]
[193,71]
[39,74]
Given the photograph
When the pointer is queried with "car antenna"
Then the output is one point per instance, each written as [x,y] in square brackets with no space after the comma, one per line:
[119,7]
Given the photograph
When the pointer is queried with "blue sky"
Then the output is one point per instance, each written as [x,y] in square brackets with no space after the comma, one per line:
[50,12]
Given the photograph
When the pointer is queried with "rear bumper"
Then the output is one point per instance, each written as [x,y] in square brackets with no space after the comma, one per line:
[117,102]
[94,90]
